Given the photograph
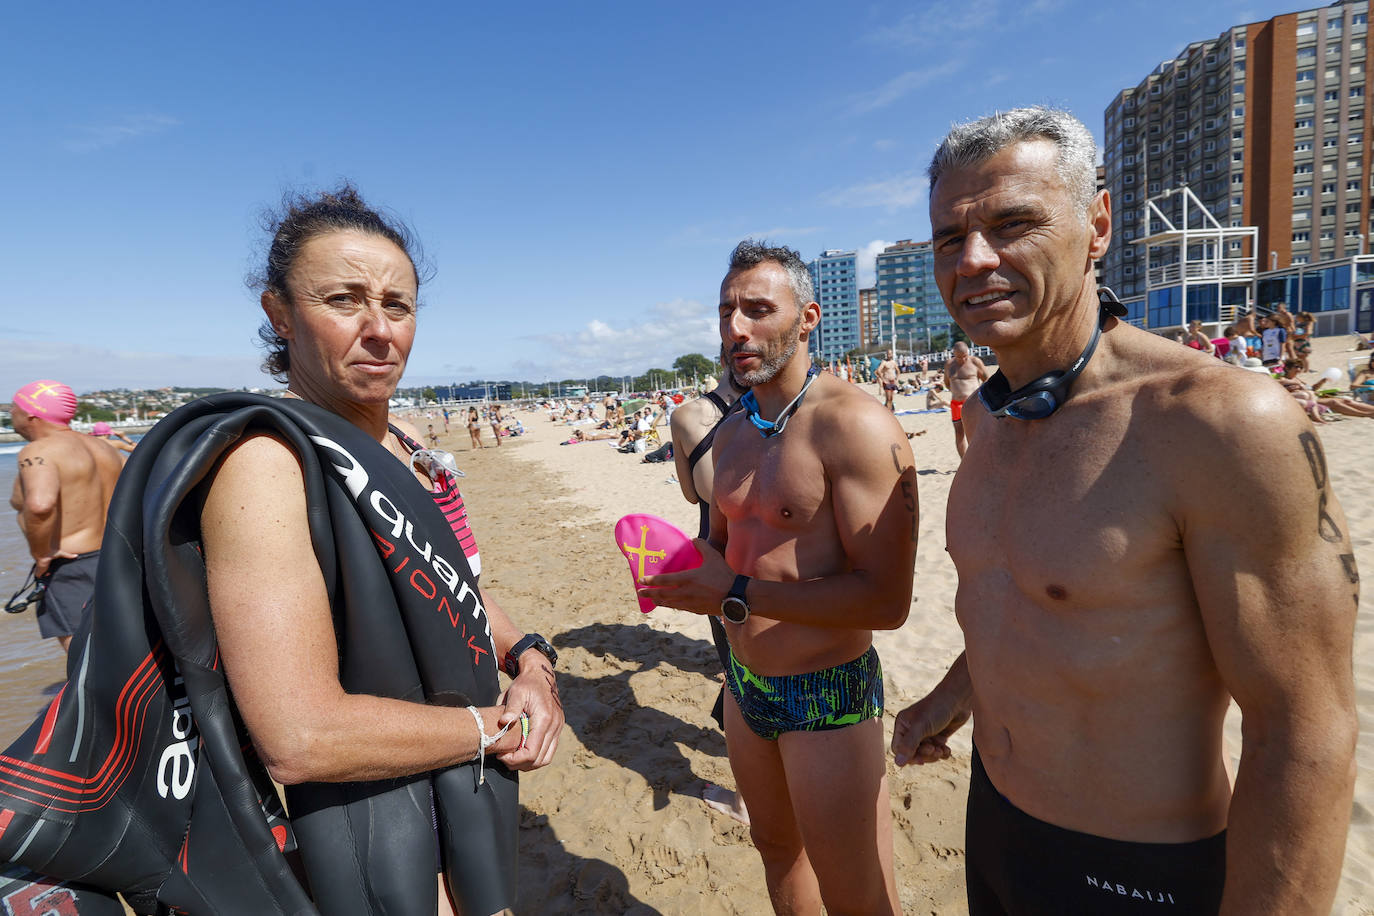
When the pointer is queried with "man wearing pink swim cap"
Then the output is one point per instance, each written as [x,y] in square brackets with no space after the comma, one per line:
[61,494]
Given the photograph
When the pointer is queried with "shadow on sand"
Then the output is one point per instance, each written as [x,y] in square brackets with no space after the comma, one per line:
[611,723]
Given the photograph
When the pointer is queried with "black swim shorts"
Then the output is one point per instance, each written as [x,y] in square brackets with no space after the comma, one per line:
[71,585]
[1017,864]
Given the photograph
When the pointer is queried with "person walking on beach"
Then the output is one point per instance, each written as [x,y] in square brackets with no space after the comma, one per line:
[964,372]
[61,493]
[474,428]
[1113,599]
[494,416]
[811,548]
[887,378]
[693,427]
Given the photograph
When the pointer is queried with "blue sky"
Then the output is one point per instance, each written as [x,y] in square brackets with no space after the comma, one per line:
[577,173]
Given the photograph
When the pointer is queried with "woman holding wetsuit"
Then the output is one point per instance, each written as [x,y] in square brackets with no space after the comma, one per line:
[340,290]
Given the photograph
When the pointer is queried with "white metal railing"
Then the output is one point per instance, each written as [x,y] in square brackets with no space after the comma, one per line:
[1228,268]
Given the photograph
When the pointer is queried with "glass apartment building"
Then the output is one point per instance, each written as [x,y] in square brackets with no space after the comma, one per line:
[835,276]
[906,276]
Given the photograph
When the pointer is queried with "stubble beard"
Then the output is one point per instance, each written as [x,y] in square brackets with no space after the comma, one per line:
[773,364]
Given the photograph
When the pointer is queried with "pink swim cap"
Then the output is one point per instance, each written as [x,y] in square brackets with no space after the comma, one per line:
[100,429]
[47,400]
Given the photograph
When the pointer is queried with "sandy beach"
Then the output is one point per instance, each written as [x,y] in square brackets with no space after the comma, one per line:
[616,825]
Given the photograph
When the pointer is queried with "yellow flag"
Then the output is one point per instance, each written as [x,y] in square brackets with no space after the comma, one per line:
[899,309]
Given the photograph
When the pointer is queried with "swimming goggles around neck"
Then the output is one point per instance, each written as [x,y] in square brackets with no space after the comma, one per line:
[1042,397]
[769,428]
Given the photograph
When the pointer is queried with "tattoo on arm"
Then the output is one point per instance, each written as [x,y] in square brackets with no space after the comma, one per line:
[1327,528]
[1316,461]
[909,500]
[30,462]
[896,462]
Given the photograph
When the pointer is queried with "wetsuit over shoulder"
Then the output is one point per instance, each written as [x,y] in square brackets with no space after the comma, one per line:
[140,776]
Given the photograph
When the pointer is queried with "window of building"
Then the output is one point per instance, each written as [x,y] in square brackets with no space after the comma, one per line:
[1128,270]
[1306,76]
[1328,211]
[1239,155]
[1130,122]
[1352,208]
[1357,92]
[1299,124]
[1306,28]
[1332,95]
[1304,146]
[1238,111]
[1353,184]
[1304,99]
[1328,143]
[1332,75]
[1298,259]
[1154,187]
[1300,215]
[1302,192]
[1128,179]
[1303,169]
[1334,25]
[1359,18]
[1238,178]
[1301,236]
[1305,54]
[1128,196]
[1327,235]
[1239,42]
[1235,246]
[1236,201]
[1329,187]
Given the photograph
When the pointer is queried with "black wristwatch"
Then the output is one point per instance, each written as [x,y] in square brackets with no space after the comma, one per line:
[527,642]
[734,608]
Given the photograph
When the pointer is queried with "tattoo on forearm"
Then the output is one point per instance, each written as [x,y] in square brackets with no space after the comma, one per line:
[1316,461]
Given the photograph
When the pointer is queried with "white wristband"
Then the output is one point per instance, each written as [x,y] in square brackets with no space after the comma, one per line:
[484,741]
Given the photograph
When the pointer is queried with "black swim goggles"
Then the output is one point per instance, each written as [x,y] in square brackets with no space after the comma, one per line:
[28,593]
[1042,397]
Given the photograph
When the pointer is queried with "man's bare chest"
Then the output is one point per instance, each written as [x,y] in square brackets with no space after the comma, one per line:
[779,482]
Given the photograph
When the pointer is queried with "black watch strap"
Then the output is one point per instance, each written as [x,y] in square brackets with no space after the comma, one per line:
[511,663]
[738,586]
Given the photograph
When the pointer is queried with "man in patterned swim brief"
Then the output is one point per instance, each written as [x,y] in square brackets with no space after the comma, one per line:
[817,701]
[810,548]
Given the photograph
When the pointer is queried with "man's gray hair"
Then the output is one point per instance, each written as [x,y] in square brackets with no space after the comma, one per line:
[750,253]
[977,141]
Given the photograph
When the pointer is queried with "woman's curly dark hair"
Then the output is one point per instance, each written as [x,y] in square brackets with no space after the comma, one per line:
[301,218]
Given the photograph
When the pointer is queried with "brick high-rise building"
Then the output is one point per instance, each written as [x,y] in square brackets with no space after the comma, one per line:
[1267,124]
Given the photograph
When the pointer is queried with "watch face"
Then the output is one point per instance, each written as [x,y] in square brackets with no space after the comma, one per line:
[734,609]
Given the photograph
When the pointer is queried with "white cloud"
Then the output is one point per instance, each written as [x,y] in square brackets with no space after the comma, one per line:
[866,267]
[88,368]
[900,86]
[665,332]
[896,193]
[90,137]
